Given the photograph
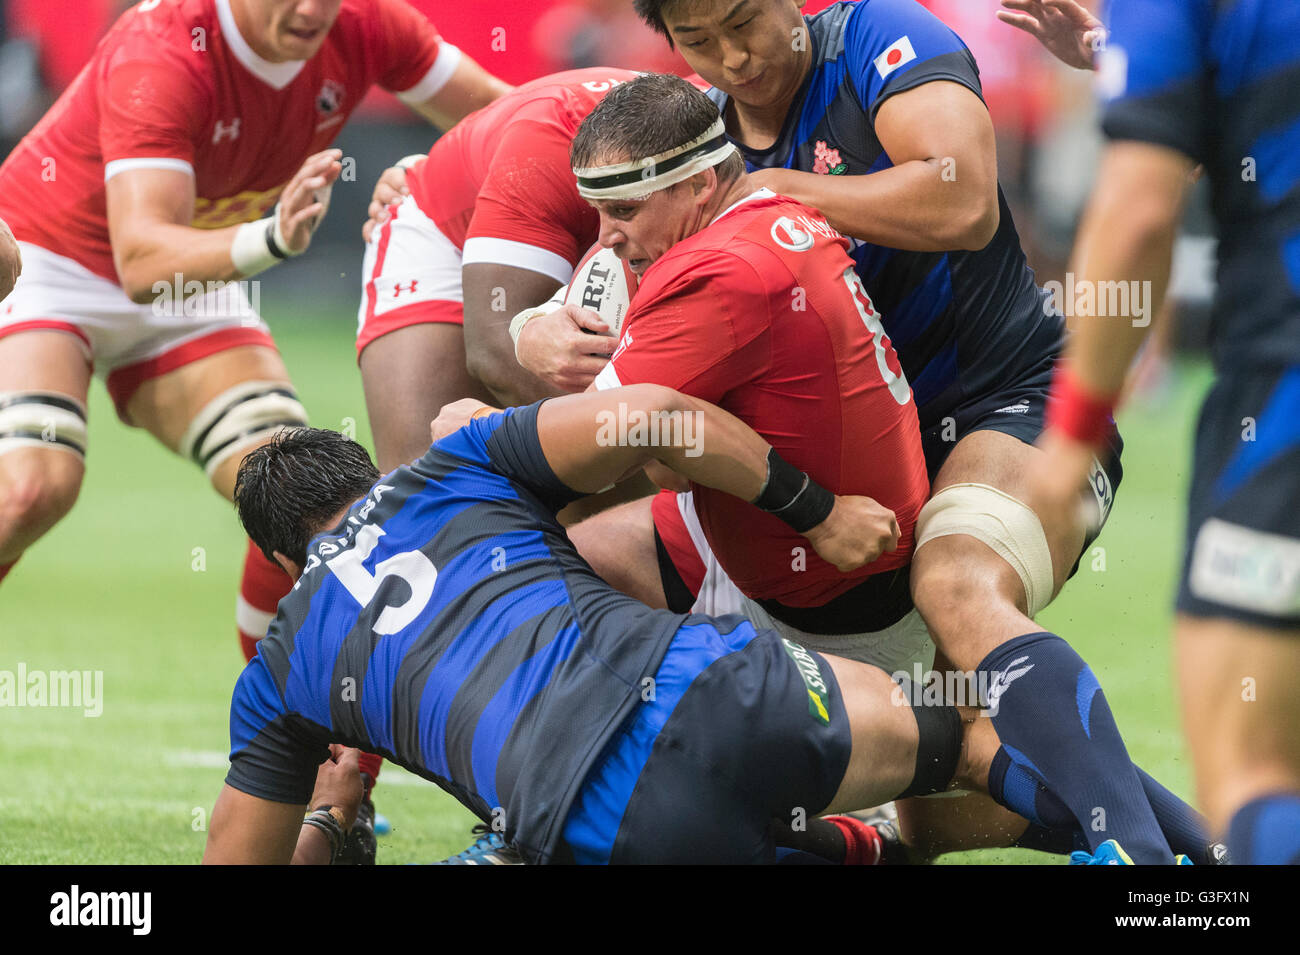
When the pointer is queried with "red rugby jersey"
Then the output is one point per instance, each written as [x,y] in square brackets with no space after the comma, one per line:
[500,186]
[175,85]
[762,314]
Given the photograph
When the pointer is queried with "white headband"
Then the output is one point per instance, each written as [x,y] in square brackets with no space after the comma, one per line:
[640,177]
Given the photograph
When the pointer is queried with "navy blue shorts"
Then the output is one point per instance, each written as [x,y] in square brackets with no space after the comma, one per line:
[1242,558]
[1020,410]
[744,728]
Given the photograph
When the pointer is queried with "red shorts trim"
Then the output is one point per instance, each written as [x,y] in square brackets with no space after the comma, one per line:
[123,382]
[677,540]
[44,324]
[417,313]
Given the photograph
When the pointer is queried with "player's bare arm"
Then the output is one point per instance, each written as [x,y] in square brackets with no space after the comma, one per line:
[1127,232]
[470,87]
[941,193]
[493,294]
[149,215]
[699,441]
[248,830]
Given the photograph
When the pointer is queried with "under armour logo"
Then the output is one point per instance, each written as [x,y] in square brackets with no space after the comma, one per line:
[222,131]
[397,289]
[1003,680]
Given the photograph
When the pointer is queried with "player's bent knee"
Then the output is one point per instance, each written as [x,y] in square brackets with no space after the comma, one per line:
[1007,526]
[240,418]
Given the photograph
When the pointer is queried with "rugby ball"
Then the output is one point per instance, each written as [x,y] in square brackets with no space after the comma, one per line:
[603,283]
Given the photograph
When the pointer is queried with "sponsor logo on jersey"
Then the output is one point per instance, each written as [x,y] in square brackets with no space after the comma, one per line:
[788,235]
[1018,408]
[819,694]
[223,130]
[623,344]
[232,210]
[895,58]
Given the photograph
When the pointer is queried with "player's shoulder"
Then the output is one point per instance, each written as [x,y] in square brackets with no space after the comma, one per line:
[166,30]
[869,29]
[565,98]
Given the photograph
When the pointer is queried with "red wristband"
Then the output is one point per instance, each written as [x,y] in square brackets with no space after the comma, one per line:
[1076,412]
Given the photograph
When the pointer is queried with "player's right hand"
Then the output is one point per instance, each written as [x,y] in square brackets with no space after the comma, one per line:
[300,205]
[338,782]
[390,188]
[857,531]
[558,349]
[1065,28]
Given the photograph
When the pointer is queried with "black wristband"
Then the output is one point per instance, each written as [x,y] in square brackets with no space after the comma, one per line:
[792,495]
[272,245]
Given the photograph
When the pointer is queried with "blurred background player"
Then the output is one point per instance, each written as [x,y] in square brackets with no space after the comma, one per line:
[492,224]
[156,173]
[1187,82]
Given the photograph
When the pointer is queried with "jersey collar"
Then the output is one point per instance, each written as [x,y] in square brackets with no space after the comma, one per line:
[277,75]
[761,193]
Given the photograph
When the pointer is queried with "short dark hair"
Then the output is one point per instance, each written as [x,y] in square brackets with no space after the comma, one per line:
[644,117]
[288,490]
[652,12]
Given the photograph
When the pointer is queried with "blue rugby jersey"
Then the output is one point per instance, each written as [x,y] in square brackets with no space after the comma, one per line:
[965,324]
[1220,82]
[449,625]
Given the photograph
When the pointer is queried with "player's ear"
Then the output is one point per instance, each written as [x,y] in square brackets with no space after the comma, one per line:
[703,185]
[290,568]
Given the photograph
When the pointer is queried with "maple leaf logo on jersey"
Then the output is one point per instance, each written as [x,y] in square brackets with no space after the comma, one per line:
[827,160]
[330,98]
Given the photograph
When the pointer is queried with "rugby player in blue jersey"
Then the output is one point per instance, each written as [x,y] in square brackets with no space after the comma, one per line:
[871,112]
[442,618]
[1187,82]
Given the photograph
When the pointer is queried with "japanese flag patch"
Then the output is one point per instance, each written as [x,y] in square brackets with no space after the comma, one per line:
[898,55]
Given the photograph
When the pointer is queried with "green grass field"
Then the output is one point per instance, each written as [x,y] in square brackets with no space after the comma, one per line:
[139,583]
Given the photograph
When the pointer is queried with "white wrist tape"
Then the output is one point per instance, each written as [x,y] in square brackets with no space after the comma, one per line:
[553,304]
[260,245]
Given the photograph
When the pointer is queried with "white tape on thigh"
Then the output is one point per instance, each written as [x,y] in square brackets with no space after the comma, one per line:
[42,419]
[1005,524]
[248,413]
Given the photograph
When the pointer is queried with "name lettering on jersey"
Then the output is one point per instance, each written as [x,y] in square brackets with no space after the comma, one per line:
[897,56]
[223,130]
[327,548]
[597,86]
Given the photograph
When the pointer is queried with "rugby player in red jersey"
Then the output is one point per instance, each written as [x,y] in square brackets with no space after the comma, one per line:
[192,149]
[492,224]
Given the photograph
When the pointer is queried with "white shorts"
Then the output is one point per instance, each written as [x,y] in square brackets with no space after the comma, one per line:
[898,647]
[128,344]
[410,275]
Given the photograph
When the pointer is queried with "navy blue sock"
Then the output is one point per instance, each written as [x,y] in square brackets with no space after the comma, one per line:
[1185,829]
[1053,827]
[1057,728]
[1266,831]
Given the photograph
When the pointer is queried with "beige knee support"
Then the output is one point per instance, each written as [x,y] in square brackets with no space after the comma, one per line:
[1005,524]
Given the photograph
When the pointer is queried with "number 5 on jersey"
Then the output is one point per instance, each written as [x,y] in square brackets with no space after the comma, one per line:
[411,566]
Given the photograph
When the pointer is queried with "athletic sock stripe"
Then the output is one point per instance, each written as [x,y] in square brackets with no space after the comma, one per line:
[249,619]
